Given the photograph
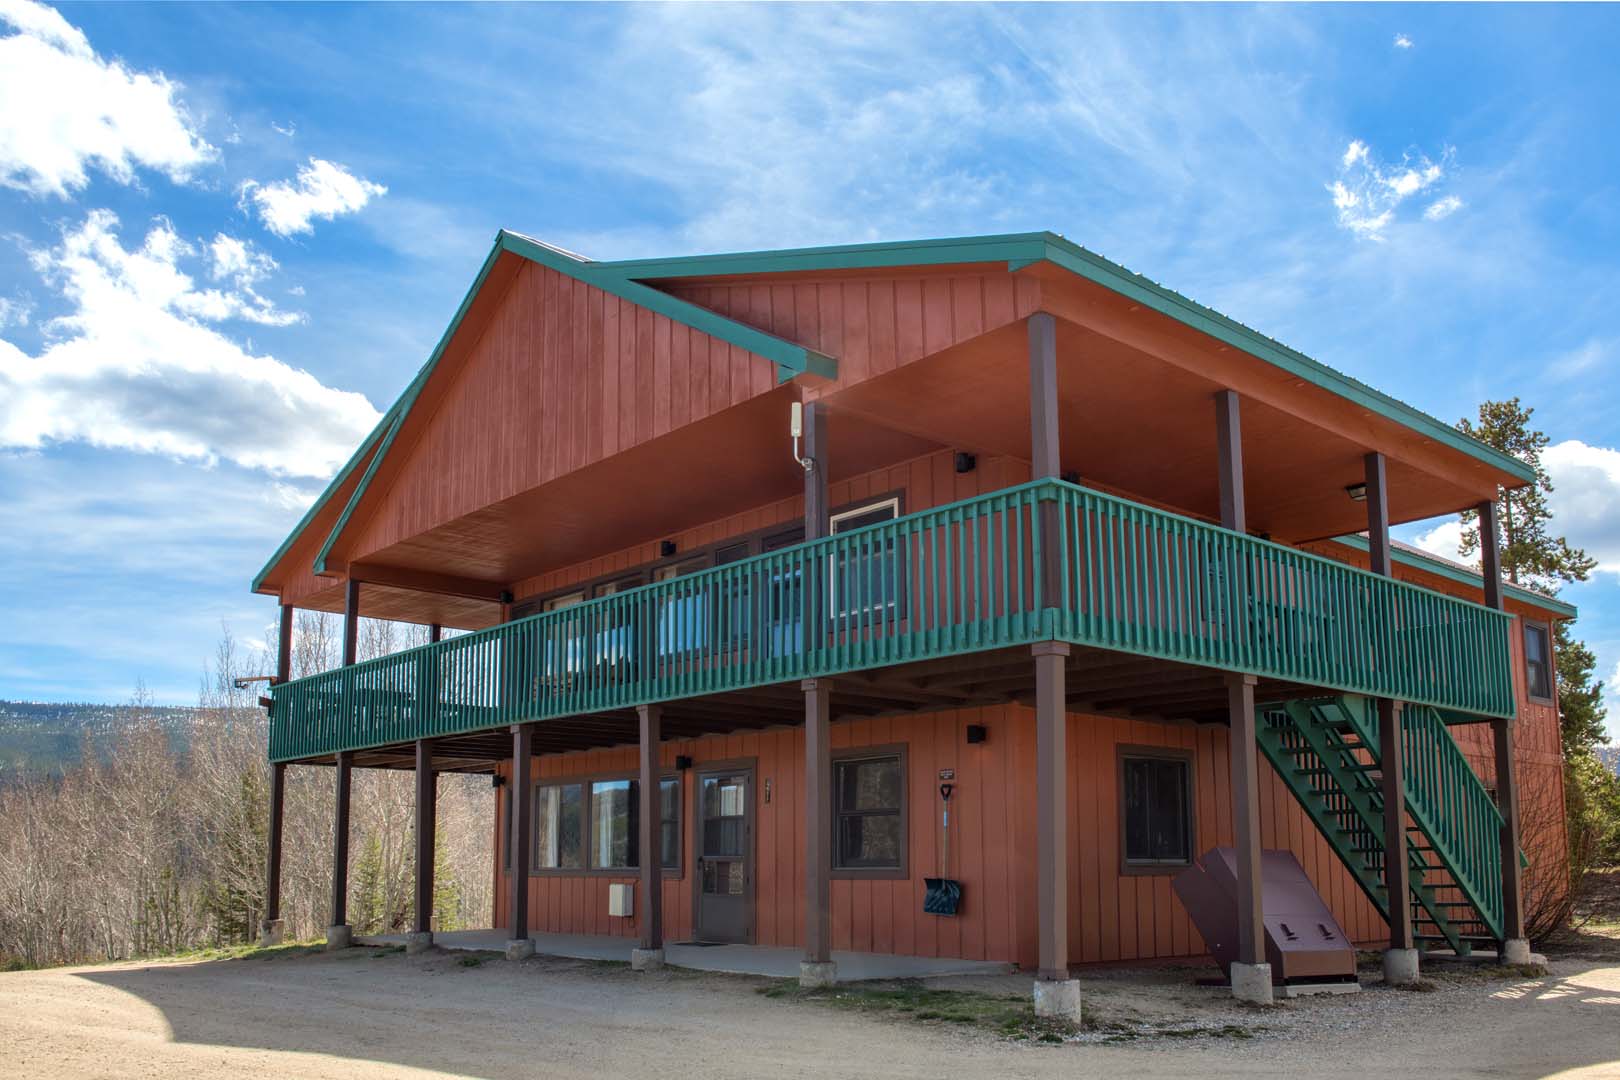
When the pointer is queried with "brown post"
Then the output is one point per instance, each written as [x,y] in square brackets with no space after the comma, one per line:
[815,477]
[1052,808]
[1515,948]
[426,824]
[1045,446]
[1391,749]
[284,645]
[817,969]
[1250,985]
[652,831]
[435,632]
[351,620]
[270,929]
[518,822]
[340,847]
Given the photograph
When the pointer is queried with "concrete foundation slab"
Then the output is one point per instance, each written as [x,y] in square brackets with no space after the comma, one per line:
[1058,999]
[1516,951]
[339,937]
[646,959]
[1295,990]
[1252,983]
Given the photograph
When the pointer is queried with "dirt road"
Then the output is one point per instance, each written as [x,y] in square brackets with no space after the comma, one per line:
[359,1014]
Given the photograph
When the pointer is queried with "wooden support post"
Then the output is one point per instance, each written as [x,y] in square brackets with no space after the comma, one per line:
[426,826]
[1051,808]
[1391,746]
[1514,945]
[815,477]
[284,635]
[270,930]
[1252,982]
[340,844]
[351,620]
[435,632]
[817,968]
[650,843]
[1045,448]
[520,816]
[1246,818]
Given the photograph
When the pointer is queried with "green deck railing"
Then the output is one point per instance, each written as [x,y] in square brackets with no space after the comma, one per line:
[960,578]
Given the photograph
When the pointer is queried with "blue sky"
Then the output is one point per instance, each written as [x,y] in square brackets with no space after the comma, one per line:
[230,234]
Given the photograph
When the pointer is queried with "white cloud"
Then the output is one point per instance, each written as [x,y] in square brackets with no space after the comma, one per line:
[1586,498]
[1442,208]
[136,365]
[14,312]
[1402,41]
[1368,193]
[1444,540]
[1586,357]
[290,130]
[322,190]
[64,110]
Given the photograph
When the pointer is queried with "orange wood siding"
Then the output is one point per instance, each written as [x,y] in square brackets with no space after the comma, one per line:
[562,375]
[873,325]
[1112,916]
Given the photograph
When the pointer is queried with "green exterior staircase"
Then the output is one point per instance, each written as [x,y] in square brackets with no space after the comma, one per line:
[1326,751]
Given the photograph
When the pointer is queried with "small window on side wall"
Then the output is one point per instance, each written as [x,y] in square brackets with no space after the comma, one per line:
[1538,678]
[869,796]
[1156,810]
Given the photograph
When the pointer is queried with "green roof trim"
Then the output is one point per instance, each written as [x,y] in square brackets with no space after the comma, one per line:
[1464,576]
[1020,250]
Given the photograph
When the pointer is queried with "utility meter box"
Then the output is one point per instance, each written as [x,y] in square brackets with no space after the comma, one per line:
[621,899]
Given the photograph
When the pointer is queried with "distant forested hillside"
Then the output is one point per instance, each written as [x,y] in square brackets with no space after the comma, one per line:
[49,736]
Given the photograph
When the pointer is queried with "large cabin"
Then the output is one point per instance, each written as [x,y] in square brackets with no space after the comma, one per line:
[801,536]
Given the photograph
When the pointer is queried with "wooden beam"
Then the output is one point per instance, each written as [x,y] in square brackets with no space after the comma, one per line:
[340,839]
[435,633]
[817,821]
[426,825]
[652,830]
[1246,818]
[1490,555]
[1377,495]
[427,581]
[1392,766]
[272,869]
[816,510]
[1045,448]
[1051,809]
[1507,773]
[520,818]
[284,636]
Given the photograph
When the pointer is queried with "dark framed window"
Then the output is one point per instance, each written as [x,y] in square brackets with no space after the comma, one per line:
[867,577]
[869,812]
[1538,669]
[1156,817]
[594,824]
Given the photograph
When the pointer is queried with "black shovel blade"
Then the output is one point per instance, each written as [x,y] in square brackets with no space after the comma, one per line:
[943,897]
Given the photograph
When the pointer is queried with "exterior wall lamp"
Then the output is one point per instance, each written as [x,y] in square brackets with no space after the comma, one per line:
[1357,492]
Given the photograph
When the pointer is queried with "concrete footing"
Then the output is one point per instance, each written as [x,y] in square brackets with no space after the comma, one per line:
[1515,951]
[813,973]
[1252,983]
[1400,966]
[1058,999]
[339,937]
[418,941]
[519,949]
[272,932]
[646,959]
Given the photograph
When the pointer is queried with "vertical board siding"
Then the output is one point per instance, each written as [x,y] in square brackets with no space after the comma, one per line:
[1112,916]
[561,376]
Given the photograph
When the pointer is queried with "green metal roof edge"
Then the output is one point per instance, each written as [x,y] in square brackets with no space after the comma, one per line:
[1023,249]
[790,358]
[1435,565]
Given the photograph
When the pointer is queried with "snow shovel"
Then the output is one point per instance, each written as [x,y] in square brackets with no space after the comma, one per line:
[944,895]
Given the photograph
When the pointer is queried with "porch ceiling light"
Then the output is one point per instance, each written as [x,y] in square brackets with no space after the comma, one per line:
[1357,492]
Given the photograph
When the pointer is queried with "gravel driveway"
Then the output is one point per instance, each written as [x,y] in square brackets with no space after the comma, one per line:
[369,1013]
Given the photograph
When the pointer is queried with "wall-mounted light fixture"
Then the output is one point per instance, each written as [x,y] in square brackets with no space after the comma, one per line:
[506,596]
[666,548]
[1070,477]
[966,462]
[497,780]
[1357,492]
[683,762]
[977,733]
